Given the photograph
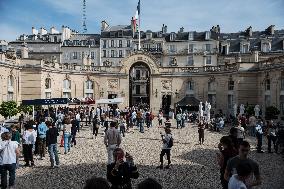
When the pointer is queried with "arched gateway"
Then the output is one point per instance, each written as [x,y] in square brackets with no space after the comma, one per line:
[140,68]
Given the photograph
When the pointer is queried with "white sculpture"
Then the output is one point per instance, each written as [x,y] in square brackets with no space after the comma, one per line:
[256,110]
[242,109]
[235,110]
[208,112]
[200,111]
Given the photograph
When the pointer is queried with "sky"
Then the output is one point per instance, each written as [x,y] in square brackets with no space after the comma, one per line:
[19,16]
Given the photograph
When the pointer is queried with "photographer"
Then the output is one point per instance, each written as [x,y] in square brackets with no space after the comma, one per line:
[120,172]
[166,149]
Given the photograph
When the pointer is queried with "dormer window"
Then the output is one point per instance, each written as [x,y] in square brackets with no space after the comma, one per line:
[149,36]
[265,47]
[190,36]
[172,36]
[207,35]
[244,47]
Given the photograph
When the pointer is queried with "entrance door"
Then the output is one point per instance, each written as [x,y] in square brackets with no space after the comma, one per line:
[139,85]
[166,104]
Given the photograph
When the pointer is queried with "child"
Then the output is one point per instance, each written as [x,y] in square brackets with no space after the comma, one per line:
[237,181]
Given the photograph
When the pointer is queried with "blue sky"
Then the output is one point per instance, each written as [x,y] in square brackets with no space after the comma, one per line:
[18,16]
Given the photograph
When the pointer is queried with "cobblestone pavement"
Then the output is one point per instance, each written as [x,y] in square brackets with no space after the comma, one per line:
[193,166]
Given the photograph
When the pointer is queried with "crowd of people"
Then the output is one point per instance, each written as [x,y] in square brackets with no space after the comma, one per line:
[41,134]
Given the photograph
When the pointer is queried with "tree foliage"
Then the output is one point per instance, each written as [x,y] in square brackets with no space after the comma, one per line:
[25,108]
[8,109]
[271,112]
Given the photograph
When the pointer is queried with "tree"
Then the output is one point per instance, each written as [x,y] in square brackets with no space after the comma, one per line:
[25,108]
[8,109]
[250,110]
[271,112]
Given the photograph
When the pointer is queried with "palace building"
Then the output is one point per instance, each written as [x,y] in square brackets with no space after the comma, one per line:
[171,69]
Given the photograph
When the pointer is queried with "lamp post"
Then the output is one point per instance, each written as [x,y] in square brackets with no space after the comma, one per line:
[156,93]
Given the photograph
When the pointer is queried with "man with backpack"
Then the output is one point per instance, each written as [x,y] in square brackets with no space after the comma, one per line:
[167,139]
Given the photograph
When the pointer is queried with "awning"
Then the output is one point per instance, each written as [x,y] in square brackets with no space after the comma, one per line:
[110,101]
[50,101]
[73,101]
[88,100]
[188,101]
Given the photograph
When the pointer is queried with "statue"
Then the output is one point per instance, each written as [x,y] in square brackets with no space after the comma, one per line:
[242,109]
[235,110]
[256,110]
[200,111]
[208,112]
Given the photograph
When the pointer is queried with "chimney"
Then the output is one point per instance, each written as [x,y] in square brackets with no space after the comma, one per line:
[249,31]
[104,25]
[270,30]
[34,31]
[181,30]
[42,31]
[53,30]
[218,29]
[164,29]
[24,51]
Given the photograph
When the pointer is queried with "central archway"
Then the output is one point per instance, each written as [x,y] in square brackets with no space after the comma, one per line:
[139,85]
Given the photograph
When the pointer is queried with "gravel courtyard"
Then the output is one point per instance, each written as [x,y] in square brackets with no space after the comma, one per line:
[194,166]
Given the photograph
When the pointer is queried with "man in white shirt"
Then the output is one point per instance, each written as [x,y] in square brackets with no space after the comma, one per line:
[112,141]
[237,181]
[78,119]
[9,153]
[259,134]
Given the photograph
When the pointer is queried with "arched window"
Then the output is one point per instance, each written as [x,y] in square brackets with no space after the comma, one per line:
[47,83]
[10,81]
[231,85]
[67,84]
[89,84]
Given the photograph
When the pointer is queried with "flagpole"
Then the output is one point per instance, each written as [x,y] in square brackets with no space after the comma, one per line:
[139,35]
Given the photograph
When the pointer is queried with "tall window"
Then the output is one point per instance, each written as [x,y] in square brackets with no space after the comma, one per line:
[211,86]
[10,96]
[128,43]
[67,84]
[104,53]
[89,95]
[265,47]
[267,84]
[92,55]
[231,84]
[120,43]
[112,43]
[212,100]
[104,43]
[208,60]
[10,81]
[230,101]
[267,100]
[190,61]
[112,53]
[48,95]
[120,53]
[75,55]
[190,85]
[47,83]
[66,95]
[172,48]
[208,47]
[89,84]
[245,48]
[190,47]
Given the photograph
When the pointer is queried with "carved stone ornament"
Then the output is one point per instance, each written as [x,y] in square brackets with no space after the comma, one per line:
[167,85]
[107,63]
[113,83]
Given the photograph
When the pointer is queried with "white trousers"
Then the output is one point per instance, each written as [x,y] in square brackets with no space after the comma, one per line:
[110,150]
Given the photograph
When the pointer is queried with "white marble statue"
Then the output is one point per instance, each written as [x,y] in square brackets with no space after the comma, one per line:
[200,111]
[242,109]
[208,112]
[235,110]
[256,110]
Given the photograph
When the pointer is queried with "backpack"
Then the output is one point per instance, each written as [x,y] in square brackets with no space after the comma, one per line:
[171,142]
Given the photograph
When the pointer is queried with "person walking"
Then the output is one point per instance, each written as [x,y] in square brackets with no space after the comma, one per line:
[259,134]
[201,127]
[8,159]
[122,125]
[78,119]
[51,142]
[167,139]
[112,140]
[96,126]
[73,132]
[16,136]
[178,120]
[29,138]
[42,128]
[67,135]
[271,136]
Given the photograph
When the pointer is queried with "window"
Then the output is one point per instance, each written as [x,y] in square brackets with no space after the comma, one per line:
[231,84]
[230,101]
[191,85]
[208,60]
[265,47]
[137,89]
[120,53]
[10,81]
[112,43]
[211,86]
[212,100]
[172,48]
[10,96]
[66,95]
[190,36]
[67,84]
[190,61]
[267,100]
[104,53]
[75,55]
[112,53]
[89,95]
[267,84]
[128,43]
[159,47]
[190,47]
[120,43]
[208,47]
[48,95]
[172,61]
[172,36]
[47,83]
[207,35]
[245,48]
[92,55]
[89,84]
[282,104]
[104,43]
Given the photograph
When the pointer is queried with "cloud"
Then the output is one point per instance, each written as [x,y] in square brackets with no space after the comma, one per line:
[9,32]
